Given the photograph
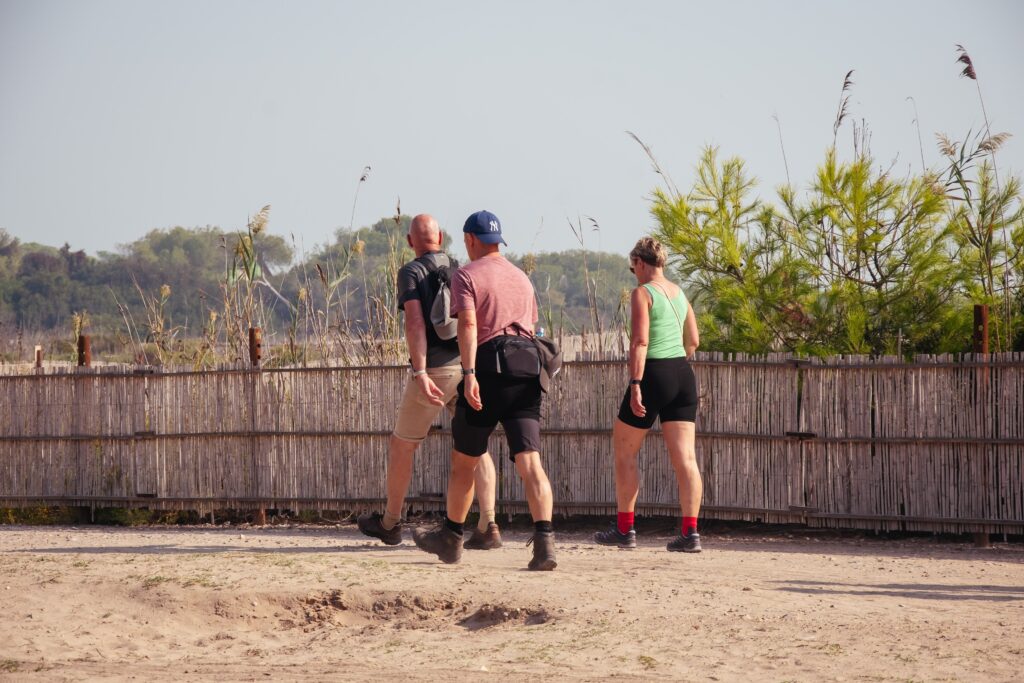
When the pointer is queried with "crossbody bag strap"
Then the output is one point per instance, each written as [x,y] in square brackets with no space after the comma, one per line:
[519,330]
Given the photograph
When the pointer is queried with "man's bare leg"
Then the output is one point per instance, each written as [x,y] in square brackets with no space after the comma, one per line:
[400,459]
[446,540]
[535,481]
[461,482]
[486,480]
[540,499]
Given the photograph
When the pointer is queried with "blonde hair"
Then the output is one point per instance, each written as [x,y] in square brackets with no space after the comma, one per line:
[650,251]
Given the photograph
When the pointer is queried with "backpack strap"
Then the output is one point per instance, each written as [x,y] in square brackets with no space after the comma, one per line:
[437,257]
[671,304]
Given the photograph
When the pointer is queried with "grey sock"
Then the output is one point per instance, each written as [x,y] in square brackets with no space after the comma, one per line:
[390,520]
[486,517]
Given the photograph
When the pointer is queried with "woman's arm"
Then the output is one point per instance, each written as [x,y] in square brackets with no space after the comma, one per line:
[691,337]
[640,331]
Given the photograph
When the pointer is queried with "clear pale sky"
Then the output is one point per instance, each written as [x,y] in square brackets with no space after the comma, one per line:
[120,116]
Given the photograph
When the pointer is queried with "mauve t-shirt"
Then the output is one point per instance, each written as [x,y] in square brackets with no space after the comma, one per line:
[498,291]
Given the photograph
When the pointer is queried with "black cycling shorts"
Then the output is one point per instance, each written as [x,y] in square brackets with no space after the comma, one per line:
[668,390]
[514,402]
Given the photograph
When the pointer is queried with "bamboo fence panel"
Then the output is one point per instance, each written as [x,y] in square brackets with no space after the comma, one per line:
[880,444]
[835,402]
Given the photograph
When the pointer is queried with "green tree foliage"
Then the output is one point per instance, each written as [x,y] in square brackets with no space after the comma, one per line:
[864,262]
[751,288]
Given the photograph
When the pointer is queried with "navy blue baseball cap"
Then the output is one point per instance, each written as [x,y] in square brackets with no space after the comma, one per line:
[485,226]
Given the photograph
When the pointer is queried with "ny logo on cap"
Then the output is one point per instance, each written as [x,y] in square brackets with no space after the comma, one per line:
[494,226]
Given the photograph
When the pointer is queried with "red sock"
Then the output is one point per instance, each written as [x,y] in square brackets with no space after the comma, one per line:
[689,524]
[625,522]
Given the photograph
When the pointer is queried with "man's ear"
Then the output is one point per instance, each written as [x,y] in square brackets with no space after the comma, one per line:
[408,238]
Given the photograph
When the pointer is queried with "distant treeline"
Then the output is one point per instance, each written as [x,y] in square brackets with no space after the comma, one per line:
[177,284]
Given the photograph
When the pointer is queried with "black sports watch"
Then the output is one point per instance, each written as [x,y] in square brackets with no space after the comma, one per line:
[468,371]
[635,381]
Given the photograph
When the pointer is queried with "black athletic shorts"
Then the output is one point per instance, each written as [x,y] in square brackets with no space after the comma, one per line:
[514,402]
[668,391]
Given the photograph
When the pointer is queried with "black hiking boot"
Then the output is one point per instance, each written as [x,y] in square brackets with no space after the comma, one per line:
[543,551]
[613,536]
[372,524]
[484,540]
[685,544]
[443,542]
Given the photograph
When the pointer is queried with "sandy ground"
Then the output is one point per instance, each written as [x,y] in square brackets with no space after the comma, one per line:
[324,603]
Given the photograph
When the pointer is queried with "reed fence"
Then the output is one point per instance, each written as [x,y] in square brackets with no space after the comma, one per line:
[934,445]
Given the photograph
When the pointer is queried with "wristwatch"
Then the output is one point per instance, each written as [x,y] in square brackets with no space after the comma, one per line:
[468,371]
[417,373]
[635,381]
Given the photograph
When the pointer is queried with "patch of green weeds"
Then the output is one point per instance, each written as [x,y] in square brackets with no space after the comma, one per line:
[9,665]
[275,559]
[44,516]
[154,581]
[204,581]
[374,564]
[648,662]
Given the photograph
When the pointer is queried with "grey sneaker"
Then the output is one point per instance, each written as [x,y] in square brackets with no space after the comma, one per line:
[615,537]
[543,551]
[484,540]
[371,524]
[685,544]
[443,542]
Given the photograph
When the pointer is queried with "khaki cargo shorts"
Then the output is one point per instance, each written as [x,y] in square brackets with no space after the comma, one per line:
[416,414]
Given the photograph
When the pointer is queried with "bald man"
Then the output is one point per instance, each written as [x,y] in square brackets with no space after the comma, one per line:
[436,373]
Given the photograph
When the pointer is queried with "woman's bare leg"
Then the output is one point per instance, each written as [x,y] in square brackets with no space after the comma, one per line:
[680,438]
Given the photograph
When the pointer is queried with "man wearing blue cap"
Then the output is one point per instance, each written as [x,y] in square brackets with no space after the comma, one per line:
[431,387]
[497,309]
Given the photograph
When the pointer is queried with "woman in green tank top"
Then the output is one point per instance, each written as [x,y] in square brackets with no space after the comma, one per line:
[663,334]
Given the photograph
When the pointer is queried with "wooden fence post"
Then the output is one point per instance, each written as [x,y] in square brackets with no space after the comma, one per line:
[84,351]
[981,328]
[255,346]
[39,359]
[255,354]
[981,540]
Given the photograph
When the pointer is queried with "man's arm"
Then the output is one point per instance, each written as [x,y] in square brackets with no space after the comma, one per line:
[416,340]
[416,334]
[467,353]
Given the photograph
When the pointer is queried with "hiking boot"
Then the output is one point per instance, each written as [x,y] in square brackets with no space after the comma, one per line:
[613,536]
[543,551]
[484,540]
[685,544]
[372,524]
[443,542]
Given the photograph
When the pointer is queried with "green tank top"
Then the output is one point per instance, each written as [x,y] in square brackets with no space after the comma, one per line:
[665,338]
